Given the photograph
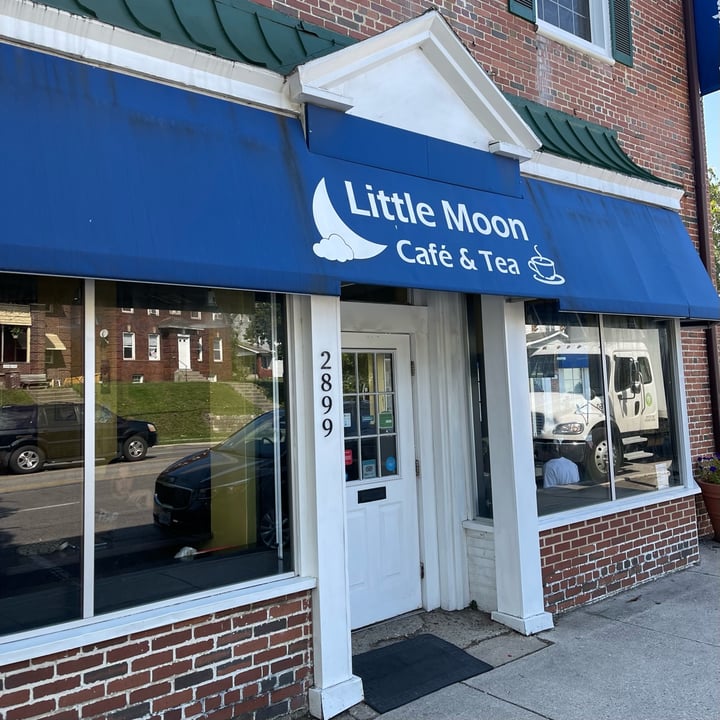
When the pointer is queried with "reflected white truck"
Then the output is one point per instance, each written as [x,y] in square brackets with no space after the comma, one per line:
[568,412]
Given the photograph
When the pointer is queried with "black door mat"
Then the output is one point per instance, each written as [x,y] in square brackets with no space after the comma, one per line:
[397,674]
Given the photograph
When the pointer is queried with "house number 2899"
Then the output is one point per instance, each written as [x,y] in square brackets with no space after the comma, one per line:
[325,388]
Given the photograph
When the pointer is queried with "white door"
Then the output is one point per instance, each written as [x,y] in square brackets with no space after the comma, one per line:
[183,352]
[382,512]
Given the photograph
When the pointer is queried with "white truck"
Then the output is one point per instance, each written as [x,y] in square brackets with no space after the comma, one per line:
[568,411]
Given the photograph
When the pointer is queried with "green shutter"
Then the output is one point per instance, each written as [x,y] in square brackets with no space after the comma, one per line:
[523,8]
[622,49]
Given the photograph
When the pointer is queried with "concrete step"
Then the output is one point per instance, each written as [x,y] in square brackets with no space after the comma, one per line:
[48,395]
[637,455]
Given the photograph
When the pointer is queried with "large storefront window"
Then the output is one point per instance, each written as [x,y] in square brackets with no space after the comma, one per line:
[189,469]
[602,407]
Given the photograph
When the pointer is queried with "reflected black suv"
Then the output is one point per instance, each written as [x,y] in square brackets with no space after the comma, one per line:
[32,435]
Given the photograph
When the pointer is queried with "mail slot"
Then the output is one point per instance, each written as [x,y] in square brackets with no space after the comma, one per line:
[372,495]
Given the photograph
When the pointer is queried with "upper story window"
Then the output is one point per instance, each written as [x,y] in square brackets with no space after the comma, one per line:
[573,16]
[599,27]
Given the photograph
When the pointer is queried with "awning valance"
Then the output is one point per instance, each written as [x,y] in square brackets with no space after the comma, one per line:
[13,315]
[53,342]
[145,182]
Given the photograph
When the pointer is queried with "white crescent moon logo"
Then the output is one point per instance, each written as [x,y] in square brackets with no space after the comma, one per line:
[338,242]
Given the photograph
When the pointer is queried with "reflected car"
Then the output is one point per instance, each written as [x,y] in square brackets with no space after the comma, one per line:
[32,436]
[231,483]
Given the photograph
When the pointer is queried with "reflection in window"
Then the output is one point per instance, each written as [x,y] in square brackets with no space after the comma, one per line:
[128,347]
[153,346]
[41,450]
[190,476]
[200,511]
[601,403]
[14,346]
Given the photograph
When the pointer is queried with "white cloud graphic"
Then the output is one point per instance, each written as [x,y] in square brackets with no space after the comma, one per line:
[338,242]
[333,248]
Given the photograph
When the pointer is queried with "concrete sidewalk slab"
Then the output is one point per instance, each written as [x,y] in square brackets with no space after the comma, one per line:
[651,652]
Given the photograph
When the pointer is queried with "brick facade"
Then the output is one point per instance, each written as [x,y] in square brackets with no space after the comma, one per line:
[253,663]
[589,560]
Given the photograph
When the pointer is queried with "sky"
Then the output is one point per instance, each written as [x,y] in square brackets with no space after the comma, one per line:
[711,110]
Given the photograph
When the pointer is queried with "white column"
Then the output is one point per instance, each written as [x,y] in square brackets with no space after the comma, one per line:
[520,603]
[322,534]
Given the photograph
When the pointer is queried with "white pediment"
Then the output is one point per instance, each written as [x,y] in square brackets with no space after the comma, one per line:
[418,76]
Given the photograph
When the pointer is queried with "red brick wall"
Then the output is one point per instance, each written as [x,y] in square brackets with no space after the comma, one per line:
[251,663]
[590,560]
[705,528]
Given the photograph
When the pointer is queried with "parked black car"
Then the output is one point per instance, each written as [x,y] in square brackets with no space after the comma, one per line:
[235,479]
[33,435]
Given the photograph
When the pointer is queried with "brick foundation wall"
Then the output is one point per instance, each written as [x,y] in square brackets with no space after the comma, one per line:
[253,663]
[590,560]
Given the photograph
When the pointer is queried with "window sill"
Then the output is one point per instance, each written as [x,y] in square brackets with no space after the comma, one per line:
[593,512]
[100,629]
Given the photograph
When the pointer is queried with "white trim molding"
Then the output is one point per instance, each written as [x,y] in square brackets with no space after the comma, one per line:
[564,171]
[86,40]
[444,59]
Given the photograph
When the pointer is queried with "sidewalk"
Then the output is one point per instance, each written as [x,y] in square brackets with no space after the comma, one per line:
[648,653]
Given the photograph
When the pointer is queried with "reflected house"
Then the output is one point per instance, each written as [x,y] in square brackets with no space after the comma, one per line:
[259,360]
[162,345]
[35,342]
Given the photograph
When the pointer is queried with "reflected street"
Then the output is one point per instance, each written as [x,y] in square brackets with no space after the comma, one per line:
[49,501]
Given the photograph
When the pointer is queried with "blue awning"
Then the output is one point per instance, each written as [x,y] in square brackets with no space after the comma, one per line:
[110,176]
[622,257]
[707,41]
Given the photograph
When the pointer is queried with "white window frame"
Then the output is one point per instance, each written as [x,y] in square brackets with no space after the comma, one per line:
[195,315]
[128,335]
[94,629]
[156,338]
[600,45]
[153,311]
[217,349]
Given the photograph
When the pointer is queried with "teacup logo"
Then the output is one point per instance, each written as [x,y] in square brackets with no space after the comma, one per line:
[544,269]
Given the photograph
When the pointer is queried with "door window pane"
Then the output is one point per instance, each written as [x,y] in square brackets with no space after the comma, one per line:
[41,449]
[369,413]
